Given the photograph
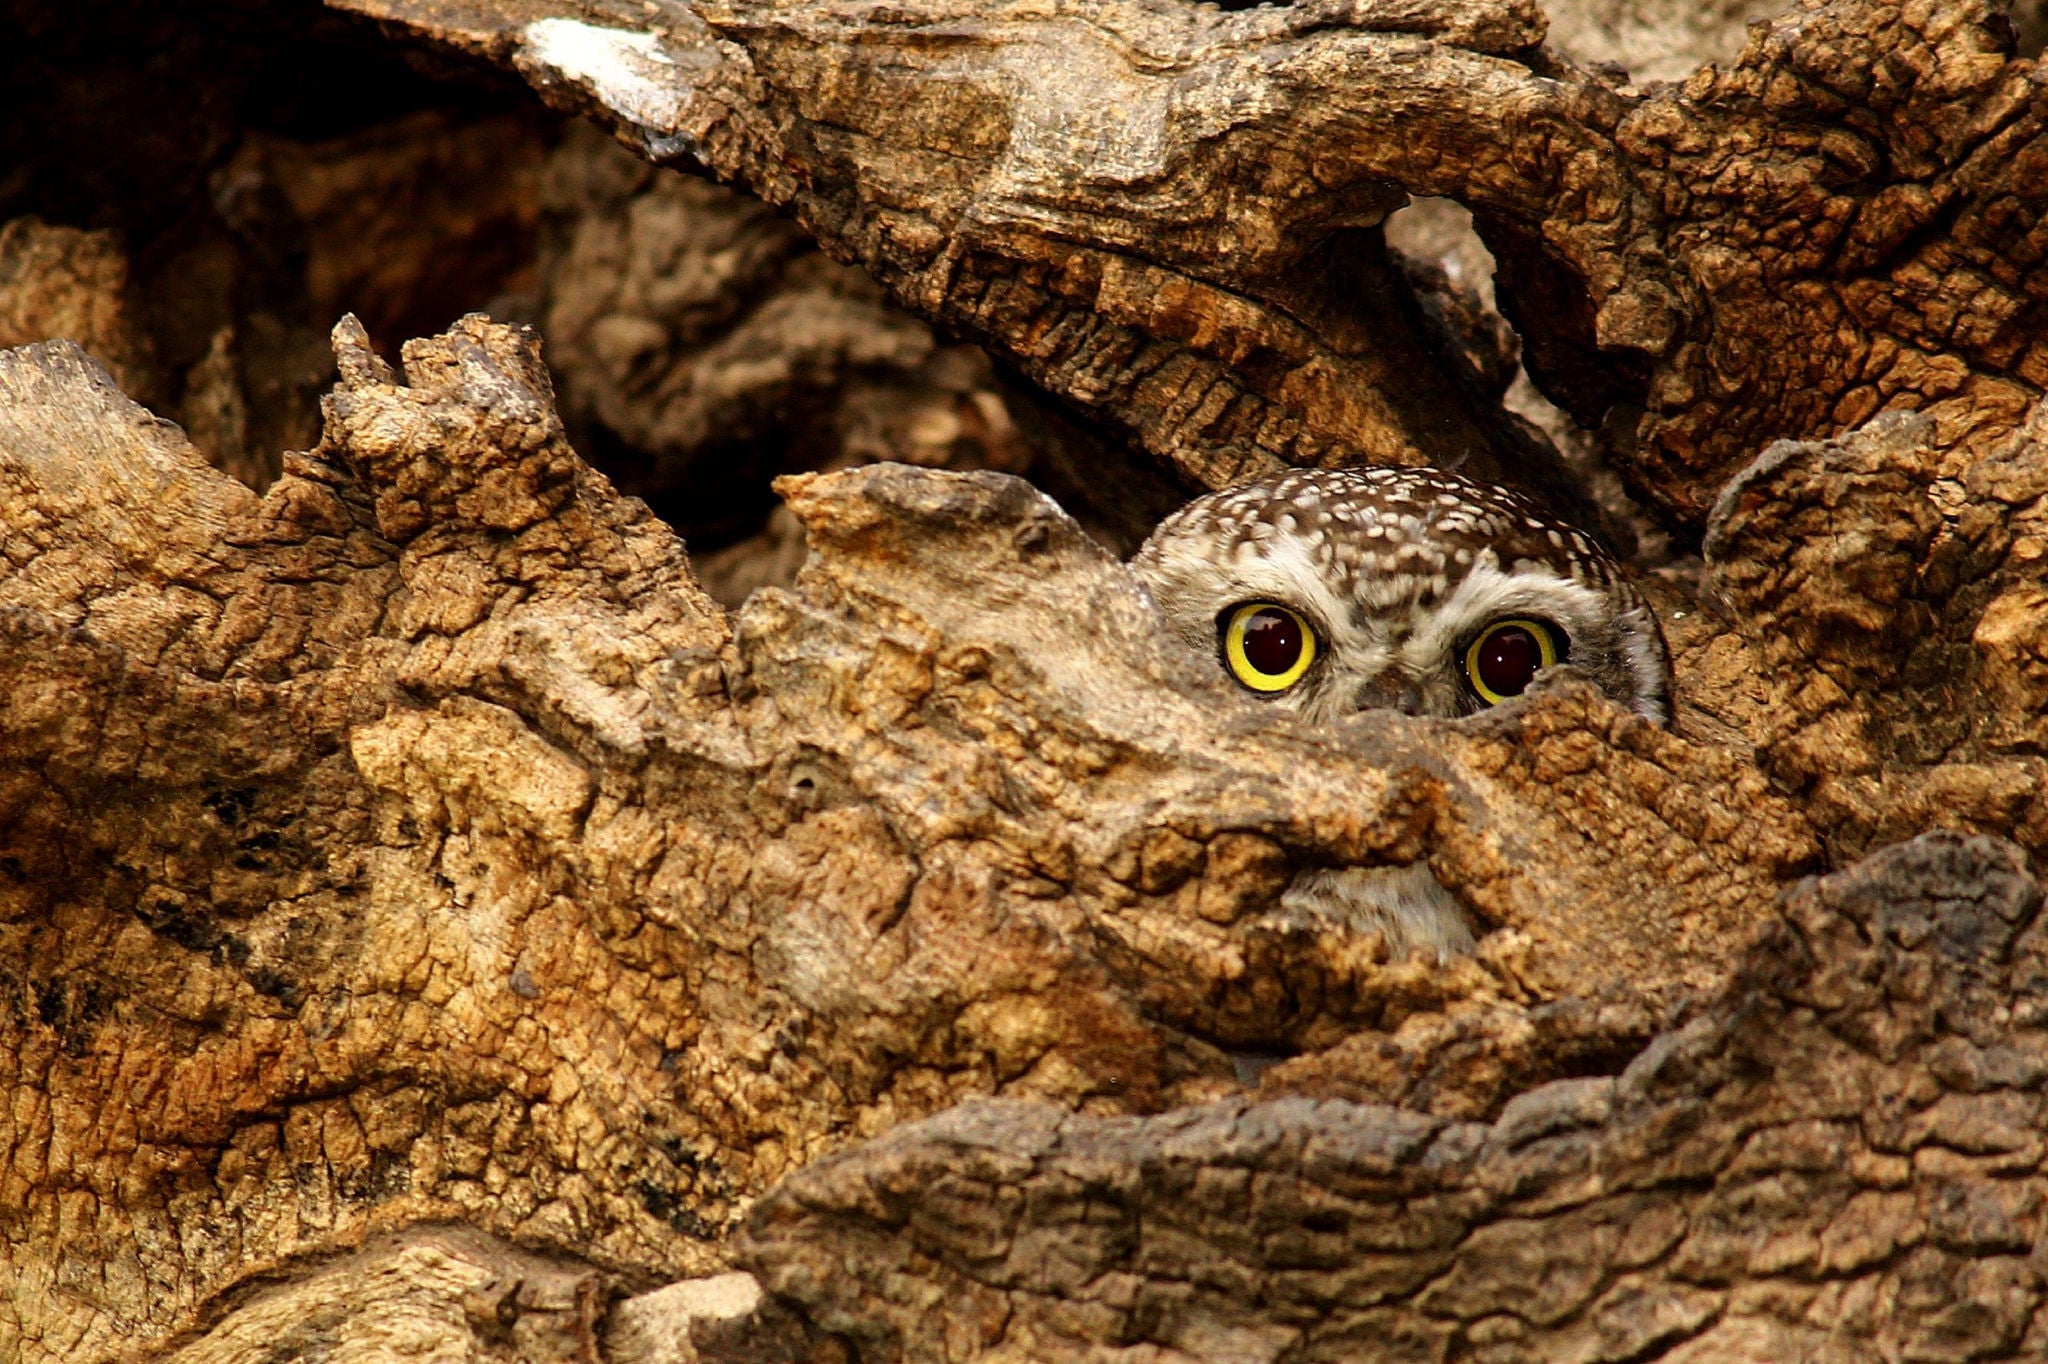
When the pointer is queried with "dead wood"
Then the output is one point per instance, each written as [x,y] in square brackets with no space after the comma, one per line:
[1696,270]
[1104,193]
[1837,1160]
[430,837]
[429,917]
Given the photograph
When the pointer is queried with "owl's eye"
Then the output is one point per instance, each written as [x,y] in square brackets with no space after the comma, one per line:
[1508,654]
[1267,646]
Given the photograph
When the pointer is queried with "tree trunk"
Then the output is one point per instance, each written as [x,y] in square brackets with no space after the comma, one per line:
[435,927]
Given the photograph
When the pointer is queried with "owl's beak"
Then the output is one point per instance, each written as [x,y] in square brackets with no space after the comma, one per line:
[1389,689]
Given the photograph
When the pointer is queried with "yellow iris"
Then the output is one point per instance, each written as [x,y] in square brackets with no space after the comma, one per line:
[1507,656]
[1267,646]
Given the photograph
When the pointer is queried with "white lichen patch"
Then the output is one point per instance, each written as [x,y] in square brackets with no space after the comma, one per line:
[629,73]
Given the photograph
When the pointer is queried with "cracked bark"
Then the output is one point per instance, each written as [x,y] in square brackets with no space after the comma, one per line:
[430,918]
[1829,1162]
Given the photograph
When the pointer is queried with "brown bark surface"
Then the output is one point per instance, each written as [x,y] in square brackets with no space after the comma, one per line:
[1840,222]
[432,924]
[1836,1160]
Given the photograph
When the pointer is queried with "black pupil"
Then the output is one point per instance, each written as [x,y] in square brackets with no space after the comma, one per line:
[1272,641]
[1508,660]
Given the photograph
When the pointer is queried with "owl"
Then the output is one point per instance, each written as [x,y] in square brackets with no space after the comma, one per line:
[1334,591]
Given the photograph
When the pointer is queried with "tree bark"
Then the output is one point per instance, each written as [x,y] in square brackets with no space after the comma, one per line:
[433,925]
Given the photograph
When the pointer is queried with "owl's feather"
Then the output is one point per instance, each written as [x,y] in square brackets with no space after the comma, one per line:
[1397,572]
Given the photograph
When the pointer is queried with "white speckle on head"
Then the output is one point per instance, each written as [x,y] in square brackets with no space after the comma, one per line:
[628,73]
[1399,571]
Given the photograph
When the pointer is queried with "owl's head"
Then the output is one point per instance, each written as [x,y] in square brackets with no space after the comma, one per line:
[1335,591]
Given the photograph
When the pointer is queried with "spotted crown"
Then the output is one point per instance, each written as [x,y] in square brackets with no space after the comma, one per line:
[1396,571]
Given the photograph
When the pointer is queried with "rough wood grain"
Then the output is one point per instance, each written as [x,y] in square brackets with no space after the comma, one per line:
[431,848]
[1118,201]
[1839,223]
[1148,205]
[424,912]
[1840,1159]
